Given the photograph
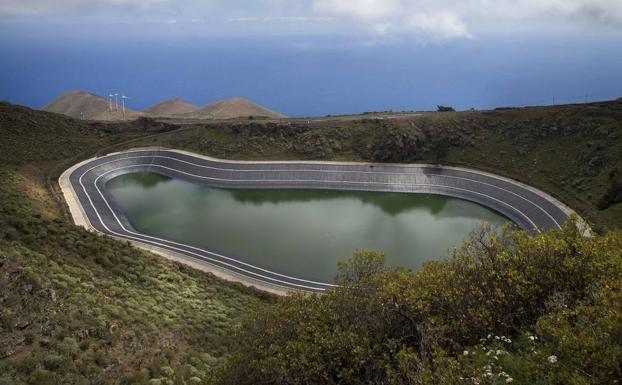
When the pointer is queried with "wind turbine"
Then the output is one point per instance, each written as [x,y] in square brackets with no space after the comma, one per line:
[110,102]
[116,101]
[123,97]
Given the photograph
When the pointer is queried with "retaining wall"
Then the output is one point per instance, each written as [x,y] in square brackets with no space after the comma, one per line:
[84,186]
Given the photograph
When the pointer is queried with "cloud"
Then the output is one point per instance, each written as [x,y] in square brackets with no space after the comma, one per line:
[16,8]
[422,18]
[281,19]
[609,12]
[439,25]
[451,19]
[361,9]
[386,20]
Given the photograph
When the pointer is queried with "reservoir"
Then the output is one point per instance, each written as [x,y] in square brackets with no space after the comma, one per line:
[300,233]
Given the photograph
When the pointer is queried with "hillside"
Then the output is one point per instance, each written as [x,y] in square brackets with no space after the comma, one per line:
[170,107]
[78,104]
[77,308]
[234,108]
[83,105]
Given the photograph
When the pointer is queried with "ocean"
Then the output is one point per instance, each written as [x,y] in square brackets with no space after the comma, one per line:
[317,76]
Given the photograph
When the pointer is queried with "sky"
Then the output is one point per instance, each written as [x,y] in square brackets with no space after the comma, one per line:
[314,57]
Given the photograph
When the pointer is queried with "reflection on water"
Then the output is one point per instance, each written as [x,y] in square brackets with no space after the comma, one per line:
[145,180]
[390,203]
[302,233]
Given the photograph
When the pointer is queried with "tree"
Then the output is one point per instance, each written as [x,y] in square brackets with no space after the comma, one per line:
[444,109]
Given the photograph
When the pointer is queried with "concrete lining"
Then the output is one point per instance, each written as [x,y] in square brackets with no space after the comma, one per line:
[84,187]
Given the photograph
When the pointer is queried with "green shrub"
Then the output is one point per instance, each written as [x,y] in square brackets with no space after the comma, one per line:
[41,377]
[53,361]
[444,109]
[5,380]
[386,325]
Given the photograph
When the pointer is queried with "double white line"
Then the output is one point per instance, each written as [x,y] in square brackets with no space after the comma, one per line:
[260,273]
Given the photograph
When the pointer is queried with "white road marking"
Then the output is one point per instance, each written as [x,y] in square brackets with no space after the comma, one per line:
[144,238]
[339,171]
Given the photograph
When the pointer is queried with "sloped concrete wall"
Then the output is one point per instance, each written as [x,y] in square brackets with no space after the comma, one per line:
[90,204]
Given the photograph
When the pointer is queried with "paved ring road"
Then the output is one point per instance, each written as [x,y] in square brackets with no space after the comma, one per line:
[84,186]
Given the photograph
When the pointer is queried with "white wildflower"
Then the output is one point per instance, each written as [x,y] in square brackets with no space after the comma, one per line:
[509,379]
[506,339]
[466,353]
[552,359]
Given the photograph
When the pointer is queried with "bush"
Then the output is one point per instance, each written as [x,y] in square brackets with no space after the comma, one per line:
[445,109]
[386,325]
[613,195]
[42,377]
[398,144]
[53,361]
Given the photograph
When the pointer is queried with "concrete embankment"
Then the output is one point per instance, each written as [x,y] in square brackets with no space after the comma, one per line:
[84,186]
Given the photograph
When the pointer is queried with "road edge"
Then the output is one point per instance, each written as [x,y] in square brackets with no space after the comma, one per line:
[80,218]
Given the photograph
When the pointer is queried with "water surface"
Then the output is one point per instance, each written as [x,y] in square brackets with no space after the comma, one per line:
[312,77]
[301,233]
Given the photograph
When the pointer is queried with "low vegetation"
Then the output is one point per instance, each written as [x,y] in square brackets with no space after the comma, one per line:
[505,308]
[613,195]
[77,308]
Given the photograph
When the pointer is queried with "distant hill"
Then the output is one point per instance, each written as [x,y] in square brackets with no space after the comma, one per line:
[233,108]
[78,104]
[171,107]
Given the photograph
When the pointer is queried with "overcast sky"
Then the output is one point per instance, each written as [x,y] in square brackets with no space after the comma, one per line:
[374,21]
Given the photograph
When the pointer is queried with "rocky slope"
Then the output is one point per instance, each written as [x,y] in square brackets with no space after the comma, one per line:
[84,105]
[170,107]
[234,108]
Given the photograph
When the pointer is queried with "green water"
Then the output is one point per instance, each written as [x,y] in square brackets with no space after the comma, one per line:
[301,233]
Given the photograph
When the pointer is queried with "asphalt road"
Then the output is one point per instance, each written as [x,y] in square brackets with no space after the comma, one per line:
[529,208]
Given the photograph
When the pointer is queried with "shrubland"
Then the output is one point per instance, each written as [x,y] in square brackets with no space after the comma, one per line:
[507,307]
[79,308]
